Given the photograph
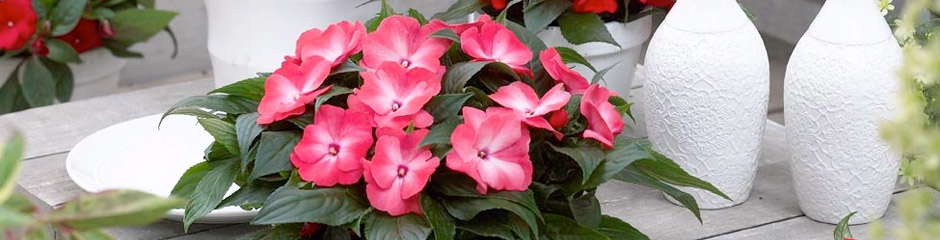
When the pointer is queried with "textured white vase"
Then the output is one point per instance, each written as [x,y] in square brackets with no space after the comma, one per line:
[630,36]
[839,83]
[99,73]
[251,36]
[707,89]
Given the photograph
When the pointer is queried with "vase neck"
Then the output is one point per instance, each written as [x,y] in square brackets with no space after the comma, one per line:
[706,16]
[850,22]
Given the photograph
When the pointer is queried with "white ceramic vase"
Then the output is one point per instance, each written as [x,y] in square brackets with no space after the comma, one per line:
[630,36]
[99,73]
[251,36]
[707,86]
[839,83]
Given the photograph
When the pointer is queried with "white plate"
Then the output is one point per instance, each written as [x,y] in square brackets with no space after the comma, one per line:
[136,155]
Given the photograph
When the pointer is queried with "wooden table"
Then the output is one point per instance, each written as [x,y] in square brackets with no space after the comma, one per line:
[770,213]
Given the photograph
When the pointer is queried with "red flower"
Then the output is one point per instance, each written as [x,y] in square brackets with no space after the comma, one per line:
[604,122]
[493,149]
[398,172]
[288,91]
[526,103]
[17,23]
[556,68]
[595,6]
[405,42]
[495,42]
[331,149]
[659,3]
[392,91]
[335,44]
[558,119]
[497,4]
[84,36]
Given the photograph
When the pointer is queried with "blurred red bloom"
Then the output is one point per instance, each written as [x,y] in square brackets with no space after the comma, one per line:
[659,3]
[17,23]
[595,6]
[84,36]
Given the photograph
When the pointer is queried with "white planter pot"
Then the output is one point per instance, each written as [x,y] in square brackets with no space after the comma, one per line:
[97,75]
[707,89]
[426,7]
[630,36]
[839,83]
[251,36]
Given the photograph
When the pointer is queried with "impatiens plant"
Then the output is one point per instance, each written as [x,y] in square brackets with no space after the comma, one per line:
[44,36]
[432,130]
[79,218]
[580,21]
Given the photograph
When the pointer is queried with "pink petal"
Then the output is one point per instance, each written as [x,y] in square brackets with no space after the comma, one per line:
[386,161]
[553,100]
[517,95]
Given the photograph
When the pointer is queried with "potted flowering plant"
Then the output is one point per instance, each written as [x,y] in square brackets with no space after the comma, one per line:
[608,33]
[54,50]
[405,128]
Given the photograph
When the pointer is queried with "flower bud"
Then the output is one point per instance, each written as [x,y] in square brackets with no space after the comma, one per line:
[310,229]
[38,47]
[558,119]
[107,31]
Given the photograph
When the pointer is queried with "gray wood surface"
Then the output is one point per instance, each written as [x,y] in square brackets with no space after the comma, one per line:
[770,213]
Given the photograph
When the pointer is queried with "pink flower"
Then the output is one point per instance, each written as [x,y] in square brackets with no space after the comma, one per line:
[398,172]
[17,23]
[495,42]
[392,91]
[331,149]
[523,99]
[604,122]
[422,119]
[291,88]
[335,44]
[437,25]
[556,68]
[595,6]
[493,149]
[405,42]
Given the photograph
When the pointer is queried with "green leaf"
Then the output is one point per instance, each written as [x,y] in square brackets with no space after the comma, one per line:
[210,190]
[445,107]
[405,227]
[441,222]
[622,106]
[331,206]
[102,12]
[119,49]
[460,9]
[440,133]
[539,14]
[17,211]
[137,25]
[193,111]
[251,195]
[664,169]
[842,230]
[61,51]
[64,80]
[246,131]
[113,208]
[615,228]
[528,37]
[497,224]
[385,12]
[587,157]
[603,72]
[581,28]
[41,9]
[283,231]
[274,152]
[446,34]
[10,158]
[217,102]
[186,184]
[586,209]
[458,75]
[626,150]
[333,92]
[631,174]
[467,208]
[558,227]
[91,234]
[38,83]
[417,15]
[65,16]
[251,88]
[347,67]
[11,96]
[569,55]
[217,151]
[223,132]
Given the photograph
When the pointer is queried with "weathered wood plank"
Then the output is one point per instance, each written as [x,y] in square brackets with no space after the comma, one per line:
[57,128]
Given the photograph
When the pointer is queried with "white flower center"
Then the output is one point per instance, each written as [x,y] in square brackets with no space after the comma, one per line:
[334,150]
[482,155]
[9,23]
[402,170]
[405,63]
[395,106]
